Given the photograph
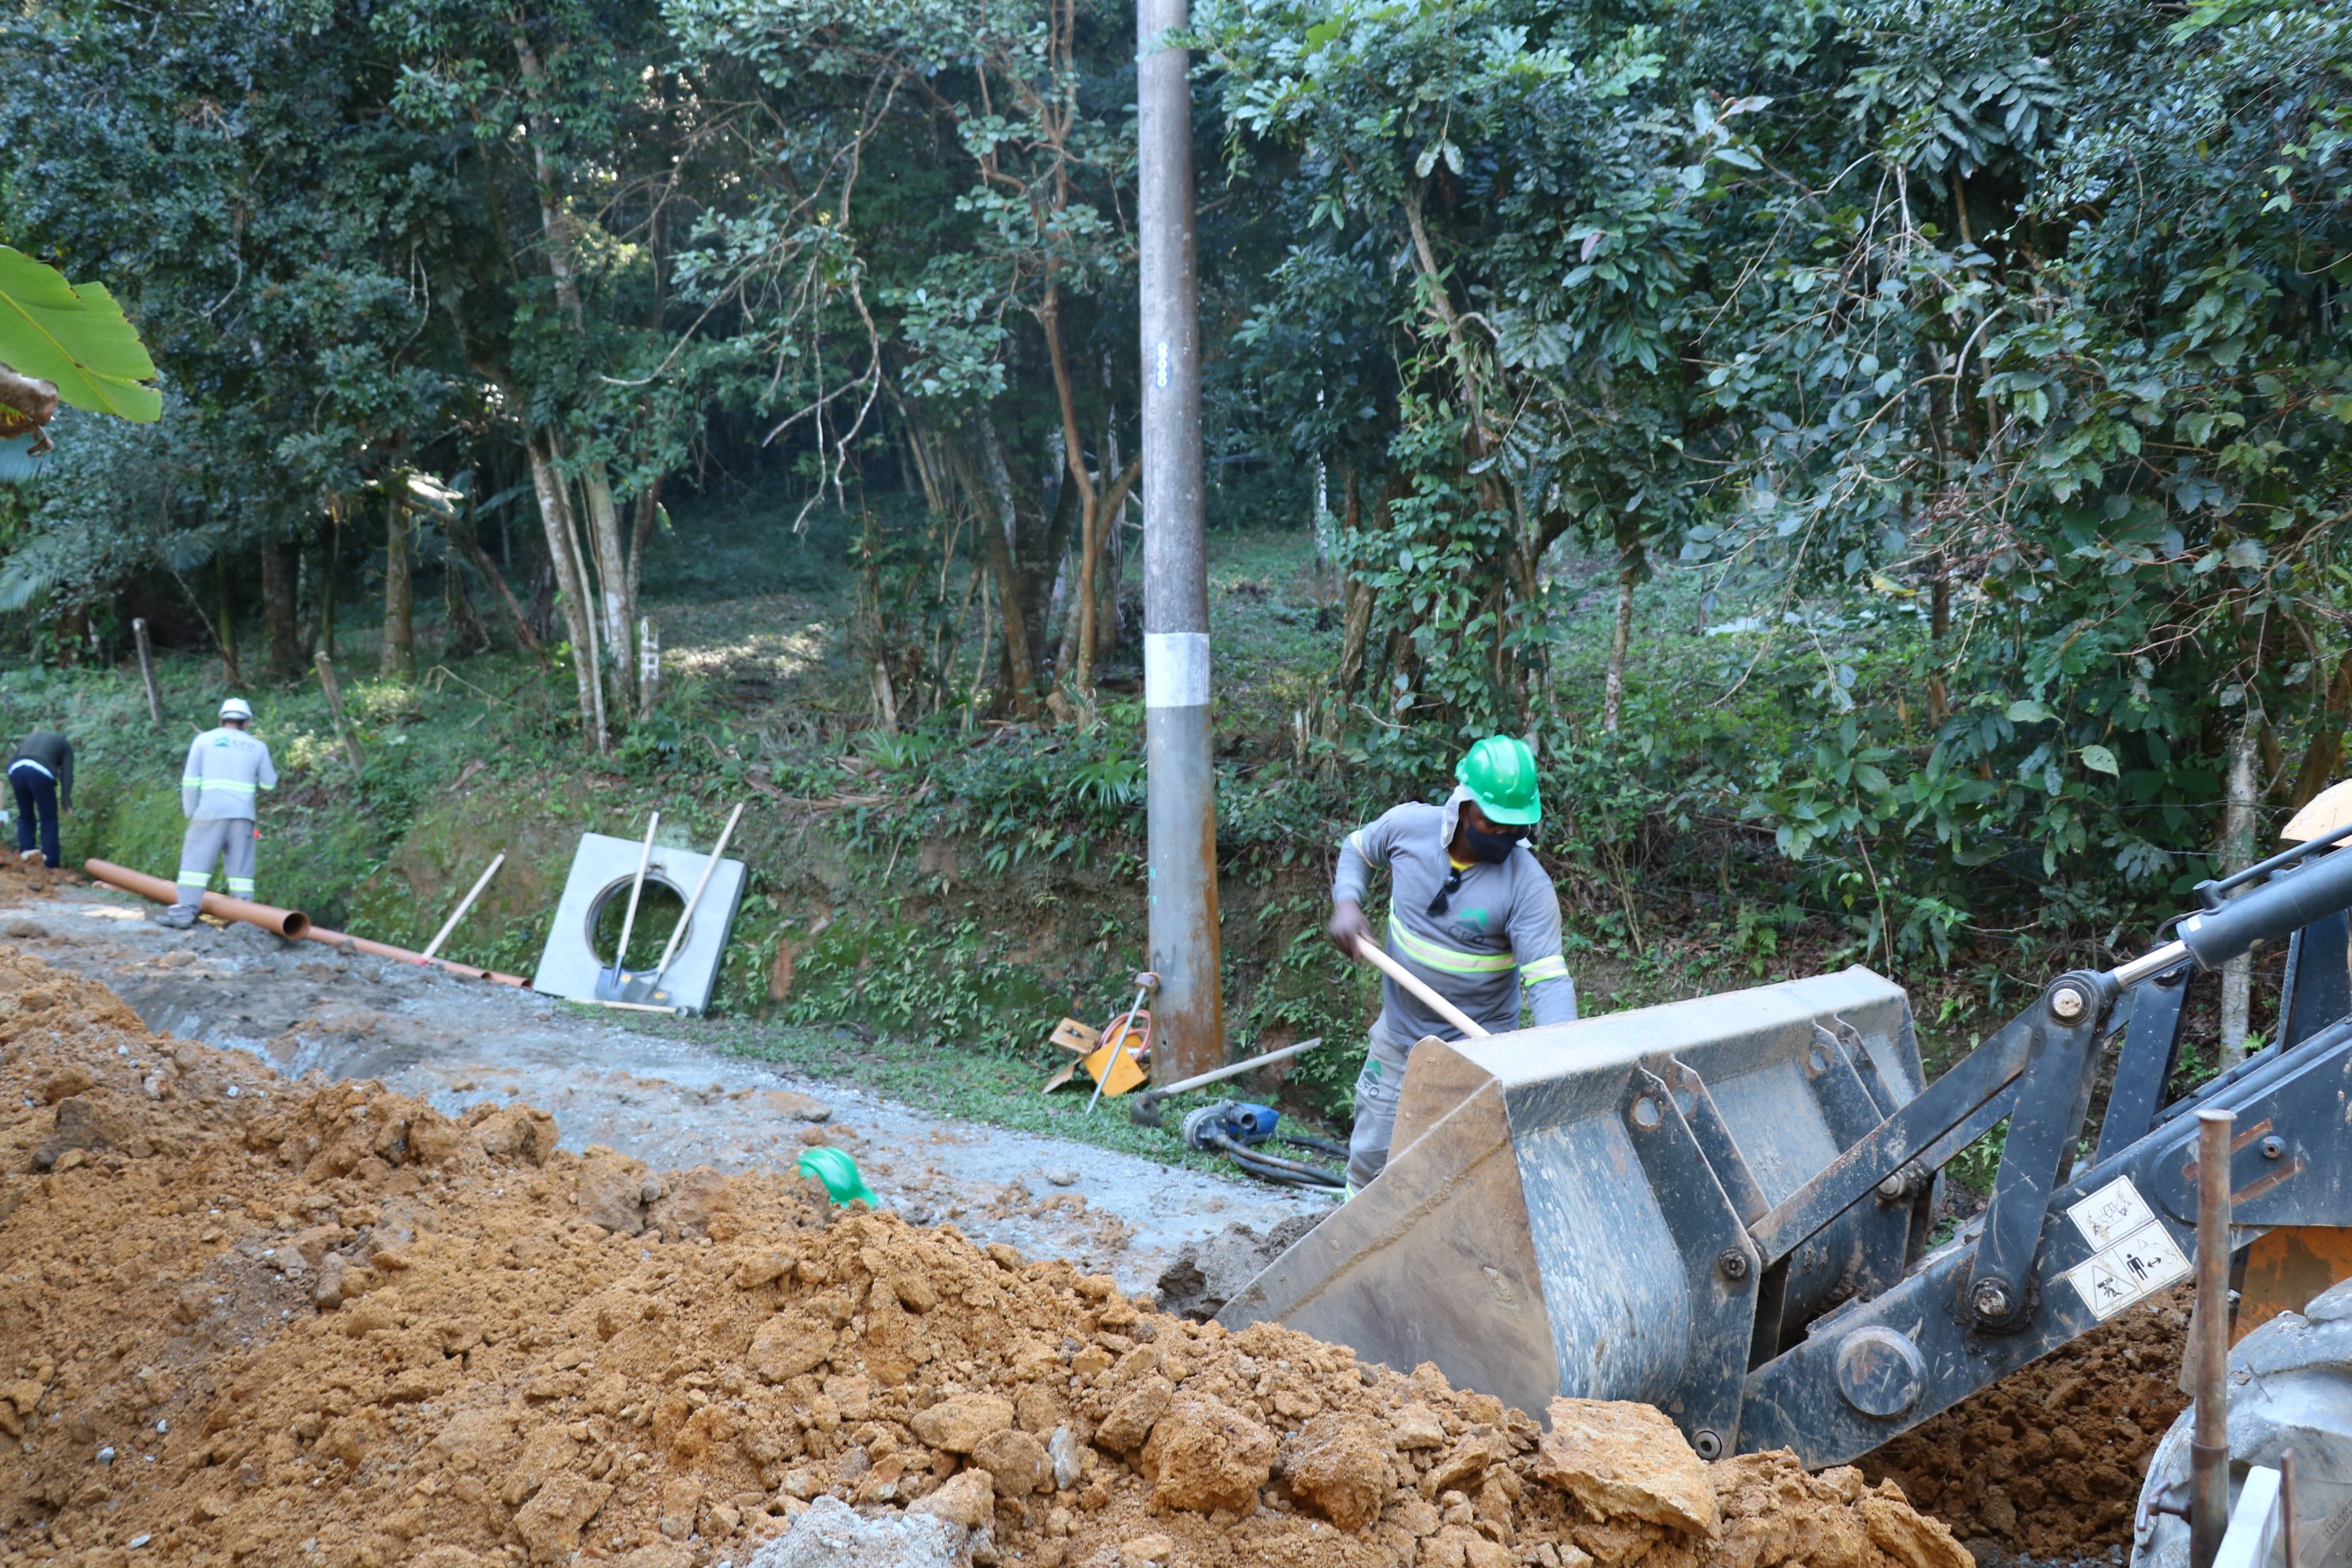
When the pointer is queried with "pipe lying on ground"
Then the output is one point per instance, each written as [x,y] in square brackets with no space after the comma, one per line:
[403,955]
[287,923]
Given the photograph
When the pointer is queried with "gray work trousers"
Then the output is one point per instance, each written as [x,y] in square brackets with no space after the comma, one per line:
[210,842]
[1377,1090]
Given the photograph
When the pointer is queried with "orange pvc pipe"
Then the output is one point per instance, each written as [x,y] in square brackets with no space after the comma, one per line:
[403,955]
[288,923]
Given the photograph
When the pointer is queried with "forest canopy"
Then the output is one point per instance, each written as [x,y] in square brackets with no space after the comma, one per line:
[2015,332]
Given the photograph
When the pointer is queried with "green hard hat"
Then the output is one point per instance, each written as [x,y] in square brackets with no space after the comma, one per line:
[839,1174]
[1499,771]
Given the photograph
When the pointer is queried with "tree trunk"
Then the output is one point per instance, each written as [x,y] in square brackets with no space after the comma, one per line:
[2237,854]
[225,609]
[281,575]
[572,594]
[991,495]
[330,556]
[1939,624]
[613,576]
[1621,635]
[399,656]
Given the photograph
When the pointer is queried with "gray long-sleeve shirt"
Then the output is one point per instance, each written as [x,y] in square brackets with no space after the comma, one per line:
[226,767]
[1500,929]
[53,754]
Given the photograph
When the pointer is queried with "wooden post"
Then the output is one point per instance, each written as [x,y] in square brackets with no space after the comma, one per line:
[464,904]
[335,707]
[2209,1445]
[147,671]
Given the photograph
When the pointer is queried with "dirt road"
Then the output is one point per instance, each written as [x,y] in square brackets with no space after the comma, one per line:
[303,1007]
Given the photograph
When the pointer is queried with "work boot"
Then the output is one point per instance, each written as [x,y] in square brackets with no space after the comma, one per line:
[179,917]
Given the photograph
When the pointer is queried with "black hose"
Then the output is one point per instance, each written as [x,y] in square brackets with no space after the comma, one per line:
[1274,1167]
[1320,1145]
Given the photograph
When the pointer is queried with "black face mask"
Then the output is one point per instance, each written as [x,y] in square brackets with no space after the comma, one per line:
[1494,848]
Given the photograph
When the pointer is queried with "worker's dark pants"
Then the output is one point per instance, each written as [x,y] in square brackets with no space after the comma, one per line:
[37,806]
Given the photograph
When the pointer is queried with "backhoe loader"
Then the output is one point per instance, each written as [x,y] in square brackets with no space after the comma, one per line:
[1723,1206]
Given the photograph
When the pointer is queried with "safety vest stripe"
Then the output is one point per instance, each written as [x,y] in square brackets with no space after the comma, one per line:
[29,762]
[195,879]
[240,884]
[192,781]
[1543,969]
[235,787]
[1423,950]
[1356,842]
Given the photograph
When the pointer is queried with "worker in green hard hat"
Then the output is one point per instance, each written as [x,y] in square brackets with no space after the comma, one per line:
[1470,914]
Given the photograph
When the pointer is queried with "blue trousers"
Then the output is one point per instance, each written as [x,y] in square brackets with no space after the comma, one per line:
[37,805]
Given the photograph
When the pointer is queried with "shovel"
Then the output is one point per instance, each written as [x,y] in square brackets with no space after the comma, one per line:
[610,982]
[642,988]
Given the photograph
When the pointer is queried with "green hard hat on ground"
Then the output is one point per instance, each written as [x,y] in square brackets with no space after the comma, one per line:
[839,1174]
[1499,771]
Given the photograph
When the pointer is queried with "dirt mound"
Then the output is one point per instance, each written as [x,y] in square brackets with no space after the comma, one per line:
[250,1321]
[2048,1461]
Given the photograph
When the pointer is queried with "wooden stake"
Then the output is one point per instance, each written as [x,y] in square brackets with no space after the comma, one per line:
[464,904]
[335,707]
[147,671]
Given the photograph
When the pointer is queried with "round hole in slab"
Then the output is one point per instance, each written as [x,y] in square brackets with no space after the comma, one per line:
[658,908]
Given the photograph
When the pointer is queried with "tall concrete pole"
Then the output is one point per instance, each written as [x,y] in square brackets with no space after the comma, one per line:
[1188,1016]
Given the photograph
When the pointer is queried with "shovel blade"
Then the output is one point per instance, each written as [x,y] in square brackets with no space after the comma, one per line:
[643,986]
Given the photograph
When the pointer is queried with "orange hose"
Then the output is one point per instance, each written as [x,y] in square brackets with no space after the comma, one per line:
[403,955]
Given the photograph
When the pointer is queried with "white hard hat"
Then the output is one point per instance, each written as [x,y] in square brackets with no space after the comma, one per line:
[238,708]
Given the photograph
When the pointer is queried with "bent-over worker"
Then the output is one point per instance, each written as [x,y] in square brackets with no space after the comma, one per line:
[42,775]
[226,769]
[1470,913]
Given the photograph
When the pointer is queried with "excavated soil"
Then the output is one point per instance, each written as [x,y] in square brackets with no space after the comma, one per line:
[248,1319]
[2048,1461]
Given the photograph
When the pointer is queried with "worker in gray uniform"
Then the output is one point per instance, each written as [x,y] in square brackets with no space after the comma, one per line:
[1471,913]
[227,770]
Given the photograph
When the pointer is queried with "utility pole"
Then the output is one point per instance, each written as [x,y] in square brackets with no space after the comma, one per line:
[1189,1027]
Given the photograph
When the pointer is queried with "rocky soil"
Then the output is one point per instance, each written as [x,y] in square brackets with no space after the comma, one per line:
[251,1320]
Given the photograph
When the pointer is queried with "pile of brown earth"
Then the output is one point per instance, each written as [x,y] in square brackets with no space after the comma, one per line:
[244,1320]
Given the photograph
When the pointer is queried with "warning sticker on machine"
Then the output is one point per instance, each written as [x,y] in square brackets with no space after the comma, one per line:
[2131,1270]
[2114,1211]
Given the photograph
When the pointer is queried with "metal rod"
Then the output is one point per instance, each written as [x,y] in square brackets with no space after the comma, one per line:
[2290,1536]
[1411,982]
[1237,1068]
[464,904]
[675,1012]
[1189,1030]
[2209,1447]
[2157,962]
[147,671]
[678,933]
[637,886]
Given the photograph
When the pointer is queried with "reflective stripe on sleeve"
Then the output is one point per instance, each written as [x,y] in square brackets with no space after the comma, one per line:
[1543,969]
[1437,956]
[192,781]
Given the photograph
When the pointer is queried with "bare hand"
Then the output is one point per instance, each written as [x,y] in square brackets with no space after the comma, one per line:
[1349,927]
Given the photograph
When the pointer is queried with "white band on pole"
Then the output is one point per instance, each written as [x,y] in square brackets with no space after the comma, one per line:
[1175,669]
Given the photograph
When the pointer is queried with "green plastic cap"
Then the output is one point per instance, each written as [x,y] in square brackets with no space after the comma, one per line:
[839,1174]
[1499,771]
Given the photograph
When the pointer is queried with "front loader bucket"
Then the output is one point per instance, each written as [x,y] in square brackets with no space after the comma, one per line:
[1565,1210]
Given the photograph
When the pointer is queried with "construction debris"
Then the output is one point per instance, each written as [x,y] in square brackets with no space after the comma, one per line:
[314,1322]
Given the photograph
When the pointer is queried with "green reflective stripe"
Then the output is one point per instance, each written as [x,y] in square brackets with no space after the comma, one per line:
[240,884]
[269,786]
[1423,950]
[232,785]
[192,781]
[1542,969]
[195,879]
